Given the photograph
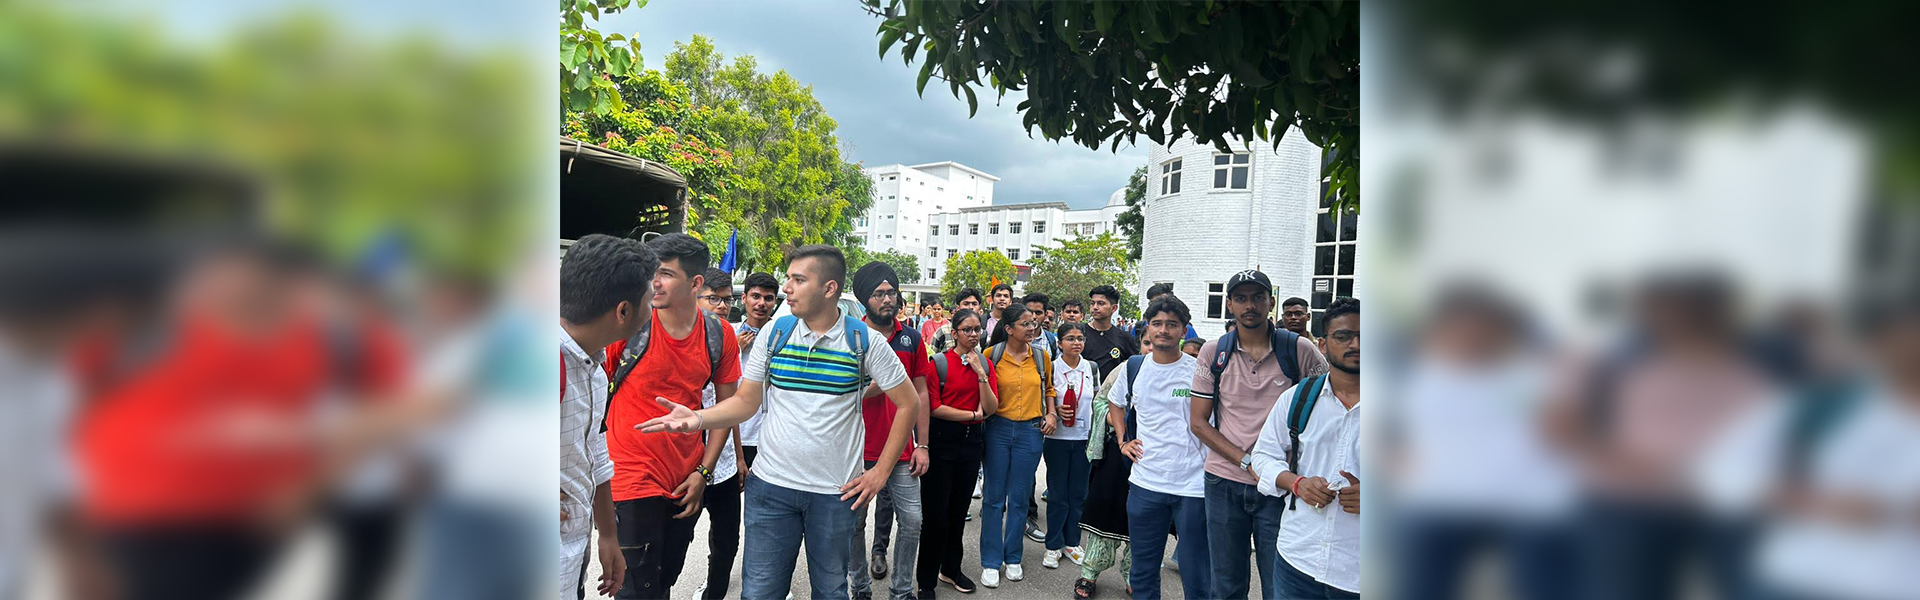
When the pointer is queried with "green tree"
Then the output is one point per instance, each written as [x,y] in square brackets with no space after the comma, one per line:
[1132,223]
[974,269]
[1075,266]
[904,265]
[1101,72]
[591,63]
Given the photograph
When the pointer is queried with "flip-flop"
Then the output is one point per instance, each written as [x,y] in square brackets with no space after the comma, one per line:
[1083,589]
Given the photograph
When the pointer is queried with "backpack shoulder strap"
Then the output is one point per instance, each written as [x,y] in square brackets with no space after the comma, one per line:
[1305,396]
[1286,350]
[715,340]
[856,333]
[994,353]
[1043,364]
[940,366]
[1222,354]
[630,358]
[1816,411]
[782,329]
[1133,373]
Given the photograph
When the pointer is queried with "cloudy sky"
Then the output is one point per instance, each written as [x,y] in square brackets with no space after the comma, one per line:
[832,46]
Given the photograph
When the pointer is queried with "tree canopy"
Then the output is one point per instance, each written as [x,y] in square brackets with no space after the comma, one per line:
[591,64]
[1132,222]
[974,269]
[904,265]
[1100,73]
[1075,266]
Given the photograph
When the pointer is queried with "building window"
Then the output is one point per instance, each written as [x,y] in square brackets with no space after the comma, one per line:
[889,236]
[1170,177]
[1230,171]
[993,229]
[1037,253]
[933,231]
[1333,262]
[1216,300]
[1013,254]
[891,197]
[930,274]
[1013,227]
[933,252]
[952,252]
[939,188]
[973,229]
[1039,226]
[953,230]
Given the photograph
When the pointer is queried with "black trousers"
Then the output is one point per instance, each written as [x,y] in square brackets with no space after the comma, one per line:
[369,547]
[189,563]
[654,544]
[946,491]
[722,501]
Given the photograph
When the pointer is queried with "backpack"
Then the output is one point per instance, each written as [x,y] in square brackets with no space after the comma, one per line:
[855,331]
[1816,411]
[1305,396]
[1286,348]
[1042,363]
[1133,372]
[637,348]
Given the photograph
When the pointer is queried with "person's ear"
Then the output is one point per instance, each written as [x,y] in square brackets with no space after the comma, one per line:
[699,283]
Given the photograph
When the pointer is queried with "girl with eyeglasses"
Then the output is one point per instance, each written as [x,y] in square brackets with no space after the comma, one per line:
[960,401]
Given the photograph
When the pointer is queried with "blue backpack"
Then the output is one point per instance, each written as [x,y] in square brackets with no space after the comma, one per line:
[855,330]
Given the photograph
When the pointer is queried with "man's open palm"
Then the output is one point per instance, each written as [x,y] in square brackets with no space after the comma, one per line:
[679,419]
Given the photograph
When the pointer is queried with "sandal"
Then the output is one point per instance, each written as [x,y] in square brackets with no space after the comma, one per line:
[1083,589]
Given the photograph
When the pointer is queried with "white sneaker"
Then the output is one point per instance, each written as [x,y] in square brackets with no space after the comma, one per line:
[1014,573]
[1051,560]
[976,489]
[990,578]
[1172,562]
[1077,555]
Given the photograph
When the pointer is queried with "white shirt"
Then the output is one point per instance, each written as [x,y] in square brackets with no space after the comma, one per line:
[1322,542]
[726,468]
[583,447]
[1487,416]
[1874,453]
[1172,460]
[749,430]
[36,409]
[1083,381]
[812,441]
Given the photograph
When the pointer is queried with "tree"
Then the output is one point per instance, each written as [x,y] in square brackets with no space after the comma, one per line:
[659,123]
[904,265]
[591,63]
[1075,266]
[1132,223]
[974,269]
[1101,72]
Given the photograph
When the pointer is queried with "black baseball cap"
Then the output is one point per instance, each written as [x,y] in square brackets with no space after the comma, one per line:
[1249,276]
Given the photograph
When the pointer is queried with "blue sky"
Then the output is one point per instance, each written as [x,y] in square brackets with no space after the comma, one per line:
[831,45]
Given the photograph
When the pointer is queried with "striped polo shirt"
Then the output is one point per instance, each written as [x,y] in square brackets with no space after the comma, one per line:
[811,435]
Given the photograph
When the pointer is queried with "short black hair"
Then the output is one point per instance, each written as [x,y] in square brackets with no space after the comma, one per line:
[761,280]
[1037,297]
[1112,295]
[1342,306]
[833,263]
[1169,304]
[1194,341]
[718,279]
[1296,301]
[1008,316]
[964,294]
[689,251]
[1159,288]
[601,271]
[960,315]
[1073,303]
[1003,286]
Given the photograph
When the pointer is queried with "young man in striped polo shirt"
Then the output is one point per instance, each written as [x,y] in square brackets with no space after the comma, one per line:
[808,478]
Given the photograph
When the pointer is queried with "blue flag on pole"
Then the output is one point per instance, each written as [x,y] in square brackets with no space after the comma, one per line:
[732,259]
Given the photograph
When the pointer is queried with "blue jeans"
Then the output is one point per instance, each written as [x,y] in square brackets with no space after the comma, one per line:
[1067,472]
[1237,514]
[1294,585]
[1150,517]
[777,519]
[905,490]
[1013,456]
[1434,551]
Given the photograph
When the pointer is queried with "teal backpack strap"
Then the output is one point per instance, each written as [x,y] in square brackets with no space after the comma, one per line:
[857,344]
[1305,396]
[1133,372]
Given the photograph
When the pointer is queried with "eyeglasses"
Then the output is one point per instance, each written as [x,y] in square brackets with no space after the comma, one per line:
[1344,336]
[718,299]
[971,329]
[886,294]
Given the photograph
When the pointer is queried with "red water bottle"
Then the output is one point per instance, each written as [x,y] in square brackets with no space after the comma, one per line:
[1071,401]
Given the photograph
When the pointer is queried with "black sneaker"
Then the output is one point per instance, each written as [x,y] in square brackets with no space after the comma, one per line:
[879,565]
[925,594]
[1035,531]
[863,596]
[959,582]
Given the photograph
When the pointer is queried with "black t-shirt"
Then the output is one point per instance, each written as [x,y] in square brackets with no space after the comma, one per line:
[1109,349]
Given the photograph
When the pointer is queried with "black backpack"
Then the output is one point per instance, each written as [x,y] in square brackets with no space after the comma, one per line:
[1286,348]
[637,348]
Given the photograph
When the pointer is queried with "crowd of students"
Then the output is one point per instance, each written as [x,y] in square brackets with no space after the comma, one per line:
[1246,448]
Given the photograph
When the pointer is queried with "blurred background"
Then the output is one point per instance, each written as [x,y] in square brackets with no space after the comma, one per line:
[1649,292]
[269,274]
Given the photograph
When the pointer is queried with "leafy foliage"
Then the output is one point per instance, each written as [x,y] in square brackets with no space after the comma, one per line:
[1131,222]
[1077,265]
[904,265]
[591,63]
[658,123]
[974,269]
[1102,72]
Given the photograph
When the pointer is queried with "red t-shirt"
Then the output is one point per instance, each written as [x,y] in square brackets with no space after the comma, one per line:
[962,388]
[651,465]
[213,426]
[877,411]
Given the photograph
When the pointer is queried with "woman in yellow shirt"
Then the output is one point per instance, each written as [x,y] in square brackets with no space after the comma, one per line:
[1014,436]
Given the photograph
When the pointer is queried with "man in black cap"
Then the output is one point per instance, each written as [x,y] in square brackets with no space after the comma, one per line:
[878,288]
[1237,393]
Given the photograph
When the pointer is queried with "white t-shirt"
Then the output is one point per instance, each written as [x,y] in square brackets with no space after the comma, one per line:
[1172,460]
[750,430]
[1083,381]
[811,436]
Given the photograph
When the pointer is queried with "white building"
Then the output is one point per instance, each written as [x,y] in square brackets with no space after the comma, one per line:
[1023,232]
[1210,215]
[904,198]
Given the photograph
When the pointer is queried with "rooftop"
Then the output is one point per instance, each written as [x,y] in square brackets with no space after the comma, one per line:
[956,165]
[1030,205]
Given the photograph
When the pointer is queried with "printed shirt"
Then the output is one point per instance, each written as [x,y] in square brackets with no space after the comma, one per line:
[584,463]
[1111,348]
[1322,542]
[1172,459]
[1081,380]
[962,387]
[652,465]
[1248,391]
[877,411]
[811,435]
[750,429]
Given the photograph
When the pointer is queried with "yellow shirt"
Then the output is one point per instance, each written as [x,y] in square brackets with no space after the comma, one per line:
[1022,395]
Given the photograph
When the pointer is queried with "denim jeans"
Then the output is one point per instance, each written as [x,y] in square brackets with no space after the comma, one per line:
[905,490]
[1434,551]
[1013,456]
[777,519]
[1067,471]
[1238,514]
[1151,516]
[1294,585]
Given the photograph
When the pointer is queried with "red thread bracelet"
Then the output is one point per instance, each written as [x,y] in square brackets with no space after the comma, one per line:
[1296,485]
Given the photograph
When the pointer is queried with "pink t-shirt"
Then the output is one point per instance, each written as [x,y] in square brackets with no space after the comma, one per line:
[1248,391]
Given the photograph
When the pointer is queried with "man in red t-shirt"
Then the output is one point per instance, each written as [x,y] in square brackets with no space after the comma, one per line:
[877,286]
[659,478]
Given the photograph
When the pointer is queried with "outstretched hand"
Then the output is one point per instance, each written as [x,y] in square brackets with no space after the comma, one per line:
[679,419]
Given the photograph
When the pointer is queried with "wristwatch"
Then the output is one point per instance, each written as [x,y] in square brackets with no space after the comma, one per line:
[1246,461]
[705,473]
